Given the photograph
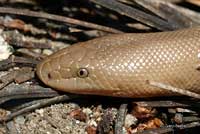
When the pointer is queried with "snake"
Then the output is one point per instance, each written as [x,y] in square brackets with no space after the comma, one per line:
[121,65]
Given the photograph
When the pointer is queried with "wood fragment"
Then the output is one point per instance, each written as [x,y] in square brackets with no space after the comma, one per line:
[32,42]
[191,119]
[107,121]
[14,61]
[136,14]
[17,39]
[163,9]
[29,53]
[185,110]
[57,18]
[24,74]
[120,119]
[24,105]
[168,103]
[7,79]
[19,76]
[31,2]
[162,130]
[25,90]
[21,25]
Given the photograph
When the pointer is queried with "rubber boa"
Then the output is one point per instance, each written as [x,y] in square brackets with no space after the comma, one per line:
[122,64]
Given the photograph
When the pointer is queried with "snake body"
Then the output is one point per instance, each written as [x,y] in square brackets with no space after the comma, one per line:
[121,64]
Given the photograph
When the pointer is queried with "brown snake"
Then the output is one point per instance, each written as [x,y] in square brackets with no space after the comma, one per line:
[122,64]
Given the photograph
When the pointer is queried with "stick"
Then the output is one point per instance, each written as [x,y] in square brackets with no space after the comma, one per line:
[57,18]
[120,119]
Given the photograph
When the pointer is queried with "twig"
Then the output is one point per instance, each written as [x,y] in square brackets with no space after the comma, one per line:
[166,104]
[165,10]
[162,130]
[106,122]
[136,14]
[21,25]
[29,53]
[40,104]
[17,108]
[57,18]
[17,61]
[17,39]
[24,90]
[120,119]
[191,119]
[24,74]
[174,89]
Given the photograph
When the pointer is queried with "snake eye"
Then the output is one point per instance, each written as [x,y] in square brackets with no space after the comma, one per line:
[82,73]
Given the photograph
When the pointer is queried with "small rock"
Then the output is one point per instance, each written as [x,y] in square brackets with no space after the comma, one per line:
[97,112]
[130,120]
[5,49]
[47,52]
[124,131]
[92,123]
[11,127]
[40,111]
[91,130]
[4,113]
[19,120]
[36,50]
[88,112]
[178,118]
[78,115]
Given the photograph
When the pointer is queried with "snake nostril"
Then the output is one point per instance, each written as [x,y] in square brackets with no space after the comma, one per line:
[49,76]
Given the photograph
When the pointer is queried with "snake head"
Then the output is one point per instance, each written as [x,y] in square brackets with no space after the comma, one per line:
[70,69]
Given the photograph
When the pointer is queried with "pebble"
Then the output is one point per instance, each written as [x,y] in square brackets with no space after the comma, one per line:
[130,120]
[92,122]
[19,120]
[87,111]
[178,118]
[47,52]
[5,49]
